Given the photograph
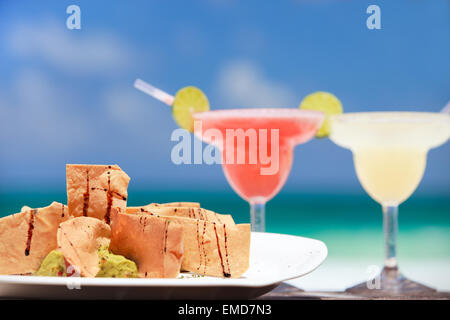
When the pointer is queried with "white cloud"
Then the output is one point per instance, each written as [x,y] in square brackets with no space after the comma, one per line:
[44,121]
[76,52]
[40,113]
[137,114]
[46,112]
[243,84]
[128,106]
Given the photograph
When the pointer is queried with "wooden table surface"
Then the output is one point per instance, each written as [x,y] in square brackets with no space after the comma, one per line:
[288,292]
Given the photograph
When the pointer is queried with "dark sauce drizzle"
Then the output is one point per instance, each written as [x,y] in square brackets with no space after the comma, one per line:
[119,195]
[226,247]
[143,222]
[113,193]
[30,231]
[166,227]
[147,212]
[225,274]
[199,250]
[101,189]
[203,246]
[109,197]
[108,200]
[86,195]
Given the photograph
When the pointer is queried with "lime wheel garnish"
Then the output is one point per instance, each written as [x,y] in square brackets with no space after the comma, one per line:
[188,100]
[325,102]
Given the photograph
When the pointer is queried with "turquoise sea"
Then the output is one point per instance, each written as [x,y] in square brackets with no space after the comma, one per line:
[350,225]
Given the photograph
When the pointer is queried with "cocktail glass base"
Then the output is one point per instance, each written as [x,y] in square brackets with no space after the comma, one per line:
[390,283]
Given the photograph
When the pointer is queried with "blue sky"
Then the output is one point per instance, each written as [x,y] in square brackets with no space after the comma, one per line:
[66,96]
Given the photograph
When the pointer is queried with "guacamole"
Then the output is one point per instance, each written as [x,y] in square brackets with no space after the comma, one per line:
[115,266]
[111,265]
[53,265]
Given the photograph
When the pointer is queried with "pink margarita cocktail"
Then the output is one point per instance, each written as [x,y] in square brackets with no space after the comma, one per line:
[258,158]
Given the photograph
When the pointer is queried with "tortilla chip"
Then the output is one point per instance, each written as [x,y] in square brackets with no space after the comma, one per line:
[187,212]
[178,204]
[215,249]
[79,240]
[92,190]
[153,243]
[28,236]
[211,248]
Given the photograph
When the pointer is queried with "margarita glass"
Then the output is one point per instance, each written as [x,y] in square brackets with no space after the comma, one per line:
[264,139]
[389,154]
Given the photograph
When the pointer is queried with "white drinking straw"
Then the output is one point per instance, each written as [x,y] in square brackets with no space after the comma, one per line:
[154,92]
[446,109]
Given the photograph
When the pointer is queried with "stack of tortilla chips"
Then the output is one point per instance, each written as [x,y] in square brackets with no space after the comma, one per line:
[162,239]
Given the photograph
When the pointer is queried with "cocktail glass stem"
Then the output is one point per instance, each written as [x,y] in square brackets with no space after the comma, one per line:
[258,216]
[390,226]
[390,281]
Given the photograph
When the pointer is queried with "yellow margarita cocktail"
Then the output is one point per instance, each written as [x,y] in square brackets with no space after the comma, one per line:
[389,153]
[390,175]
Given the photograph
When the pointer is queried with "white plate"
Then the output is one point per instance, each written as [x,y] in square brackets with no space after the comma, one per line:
[273,258]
